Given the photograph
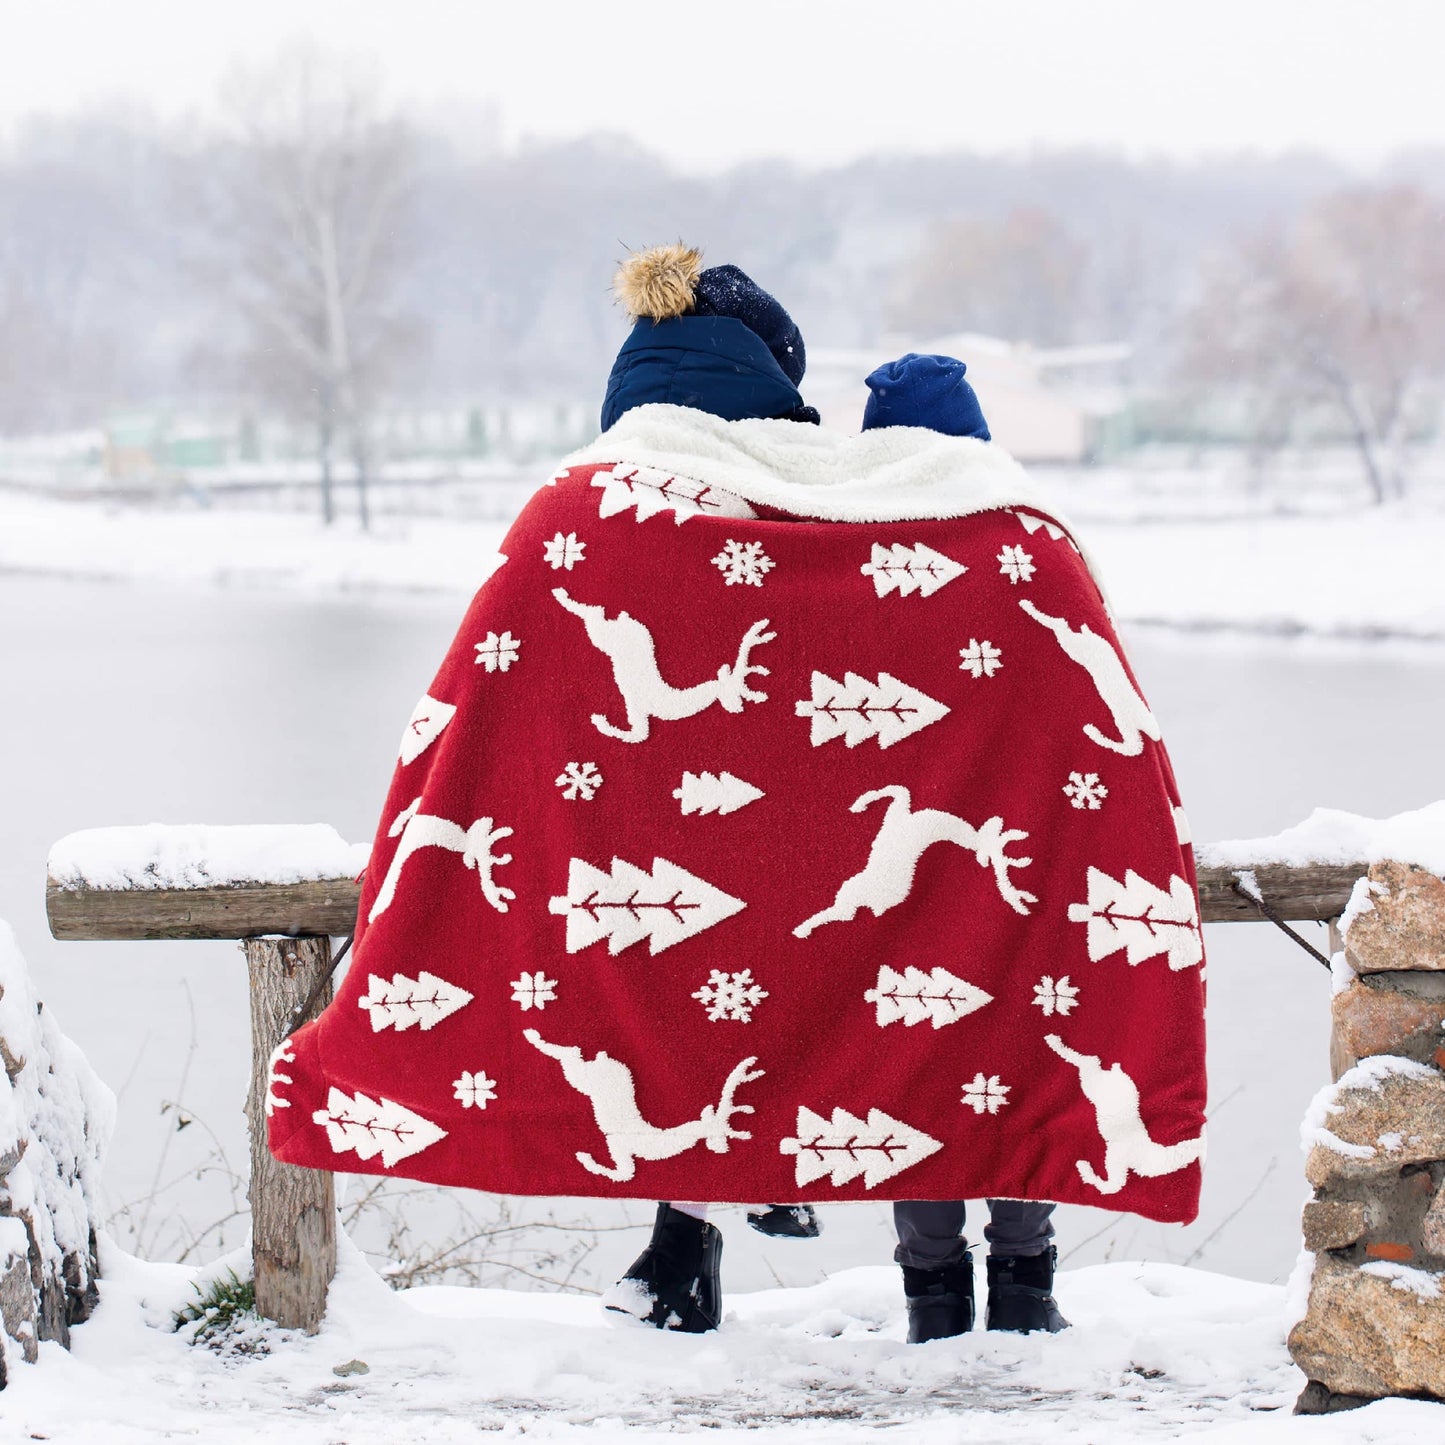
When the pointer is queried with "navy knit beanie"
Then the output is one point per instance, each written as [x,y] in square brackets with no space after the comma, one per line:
[668,281]
[926,391]
[727,291]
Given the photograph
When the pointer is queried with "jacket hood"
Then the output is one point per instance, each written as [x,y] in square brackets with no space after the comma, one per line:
[712,364]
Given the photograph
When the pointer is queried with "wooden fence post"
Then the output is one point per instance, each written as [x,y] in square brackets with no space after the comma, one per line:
[1341,1059]
[293,1211]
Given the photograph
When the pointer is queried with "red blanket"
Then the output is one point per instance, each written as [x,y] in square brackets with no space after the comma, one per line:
[734,855]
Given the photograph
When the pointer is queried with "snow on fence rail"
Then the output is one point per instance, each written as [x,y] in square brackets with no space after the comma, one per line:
[285,891]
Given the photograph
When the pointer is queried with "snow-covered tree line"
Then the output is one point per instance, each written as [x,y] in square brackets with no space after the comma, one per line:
[312,249]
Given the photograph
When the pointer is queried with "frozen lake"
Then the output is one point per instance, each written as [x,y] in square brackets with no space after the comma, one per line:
[141,704]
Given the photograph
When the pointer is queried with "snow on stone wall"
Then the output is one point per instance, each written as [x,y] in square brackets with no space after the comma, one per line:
[1330,835]
[55,1122]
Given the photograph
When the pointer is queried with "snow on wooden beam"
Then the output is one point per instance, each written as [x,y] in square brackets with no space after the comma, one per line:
[161,881]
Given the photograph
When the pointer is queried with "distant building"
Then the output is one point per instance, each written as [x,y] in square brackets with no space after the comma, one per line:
[1043,405]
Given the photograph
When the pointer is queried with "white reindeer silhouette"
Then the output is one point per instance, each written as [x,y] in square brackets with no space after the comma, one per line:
[607,1082]
[1127,1145]
[647,695]
[420,830]
[1132,718]
[887,877]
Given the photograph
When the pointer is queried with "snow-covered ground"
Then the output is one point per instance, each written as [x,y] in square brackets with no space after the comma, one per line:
[1261,731]
[1157,1352]
[1336,571]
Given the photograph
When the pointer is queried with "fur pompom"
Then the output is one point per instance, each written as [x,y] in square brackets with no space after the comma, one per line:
[659,283]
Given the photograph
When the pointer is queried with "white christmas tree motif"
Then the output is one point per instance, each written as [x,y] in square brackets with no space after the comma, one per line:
[1143,920]
[914,997]
[844,1147]
[906,570]
[283,1053]
[1055,996]
[1084,790]
[534,991]
[744,562]
[498,653]
[423,727]
[425,1000]
[855,710]
[563,551]
[580,780]
[730,995]
[474,1090]
[628,904]
[1182,830]
[982,659]
[368,1127]
[1031,524]
[721,793]
[1016,564]
[652,491]
[985,1095]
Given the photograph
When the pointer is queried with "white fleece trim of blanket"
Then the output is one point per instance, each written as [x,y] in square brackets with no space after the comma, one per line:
[892,474]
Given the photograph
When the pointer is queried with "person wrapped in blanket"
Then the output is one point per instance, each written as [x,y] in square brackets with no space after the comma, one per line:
[715,341]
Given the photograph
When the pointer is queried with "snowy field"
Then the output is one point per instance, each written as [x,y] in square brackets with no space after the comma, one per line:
[1178,554]
[1157,1353]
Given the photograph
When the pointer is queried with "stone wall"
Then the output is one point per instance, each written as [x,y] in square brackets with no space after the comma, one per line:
[55,1120]
[1375,1321]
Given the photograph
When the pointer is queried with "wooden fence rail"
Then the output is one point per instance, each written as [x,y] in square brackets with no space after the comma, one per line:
[1313,893]
[286,930]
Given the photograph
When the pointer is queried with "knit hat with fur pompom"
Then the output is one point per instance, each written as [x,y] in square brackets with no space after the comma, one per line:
[668,281]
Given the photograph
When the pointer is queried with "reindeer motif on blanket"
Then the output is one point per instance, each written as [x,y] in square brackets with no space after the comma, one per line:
[1097,656]
[645,692]
[903,838]
[421,830]
[1127,1145]
[608,1083]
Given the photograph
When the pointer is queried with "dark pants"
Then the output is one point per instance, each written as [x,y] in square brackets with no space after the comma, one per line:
[930,1231]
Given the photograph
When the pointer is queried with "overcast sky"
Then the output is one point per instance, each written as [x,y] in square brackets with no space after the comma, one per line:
[815,82]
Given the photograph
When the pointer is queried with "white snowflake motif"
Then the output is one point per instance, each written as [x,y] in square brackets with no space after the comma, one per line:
[1016,564]
[563,551]
[1084,790]
[580,780]
[497,654]
[743,562]
[474,1090]
[730,996]
[982,659]
[985,1095]
[534,990]
[1055,996]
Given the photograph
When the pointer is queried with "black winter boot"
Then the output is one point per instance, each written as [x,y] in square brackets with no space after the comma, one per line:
[786,1221]
[674,1282]
[1020,1293]
[940,1301]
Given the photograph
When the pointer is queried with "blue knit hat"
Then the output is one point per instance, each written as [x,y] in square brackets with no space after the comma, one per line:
[727,291]
[926,391]
[666,282]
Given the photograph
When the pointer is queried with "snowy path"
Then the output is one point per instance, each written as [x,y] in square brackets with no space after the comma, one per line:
[1158,1352]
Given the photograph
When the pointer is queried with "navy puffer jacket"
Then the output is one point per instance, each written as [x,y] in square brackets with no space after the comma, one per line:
[710,363]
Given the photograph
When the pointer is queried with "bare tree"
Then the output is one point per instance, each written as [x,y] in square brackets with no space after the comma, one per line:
[316,191]
[1339,315]
[1018,278]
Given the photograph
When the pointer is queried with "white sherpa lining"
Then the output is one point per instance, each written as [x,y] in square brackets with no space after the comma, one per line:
[892,474]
